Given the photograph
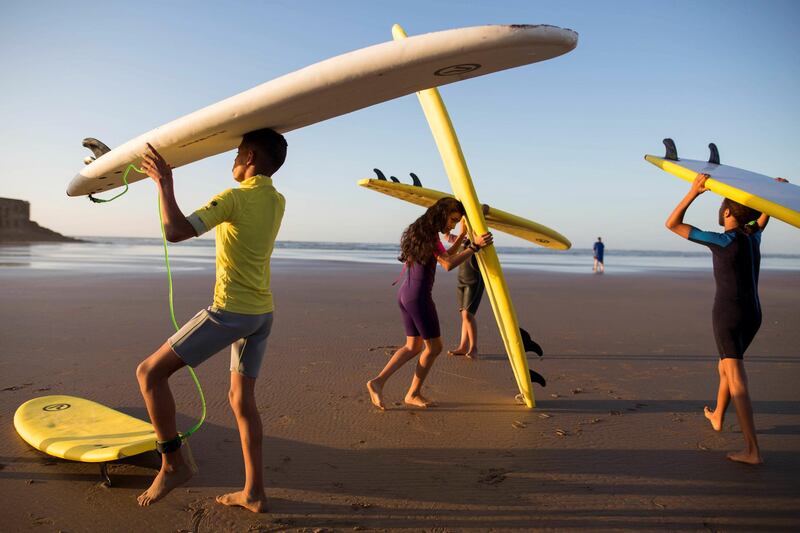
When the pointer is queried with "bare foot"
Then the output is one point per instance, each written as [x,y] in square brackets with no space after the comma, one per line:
[418,401]
[457,351]
[375,394]
[257,504]
[167,479]
[472,354]
[751,458]
[716,421]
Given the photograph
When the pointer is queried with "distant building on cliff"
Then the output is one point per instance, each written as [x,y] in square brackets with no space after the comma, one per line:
[16,224]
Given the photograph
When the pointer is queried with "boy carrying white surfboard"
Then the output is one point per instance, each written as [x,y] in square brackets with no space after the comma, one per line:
[247,220]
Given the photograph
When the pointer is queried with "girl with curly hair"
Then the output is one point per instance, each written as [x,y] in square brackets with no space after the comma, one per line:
[420,250]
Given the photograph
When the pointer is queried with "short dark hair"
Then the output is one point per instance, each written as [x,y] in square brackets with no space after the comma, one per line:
[270,142]
[745,216]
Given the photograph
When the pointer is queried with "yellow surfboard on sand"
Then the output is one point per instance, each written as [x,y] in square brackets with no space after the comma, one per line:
[496,219]
[461,182]
[82,430]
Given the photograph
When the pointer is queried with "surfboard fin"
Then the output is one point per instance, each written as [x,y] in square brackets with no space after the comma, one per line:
[415,179]
[672,152]
[529,344]
[380,174]
[537,378]
[104,474]
[98,148]
[394,179]
[714,155]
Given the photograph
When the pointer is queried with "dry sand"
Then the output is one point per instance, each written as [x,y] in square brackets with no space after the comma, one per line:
[618,441]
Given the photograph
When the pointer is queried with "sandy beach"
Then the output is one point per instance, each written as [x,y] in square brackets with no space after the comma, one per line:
[617,442]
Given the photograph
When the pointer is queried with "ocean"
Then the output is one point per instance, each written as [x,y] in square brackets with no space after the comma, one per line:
[142,255]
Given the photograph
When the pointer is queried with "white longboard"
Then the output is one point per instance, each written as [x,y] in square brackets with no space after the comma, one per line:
[329,89]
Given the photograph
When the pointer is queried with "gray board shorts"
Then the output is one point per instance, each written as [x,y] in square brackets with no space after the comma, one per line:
[213,329]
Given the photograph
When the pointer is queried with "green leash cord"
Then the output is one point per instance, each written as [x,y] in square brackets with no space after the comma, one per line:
[186,434]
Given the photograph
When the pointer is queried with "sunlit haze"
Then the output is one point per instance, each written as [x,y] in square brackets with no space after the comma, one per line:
[560,142]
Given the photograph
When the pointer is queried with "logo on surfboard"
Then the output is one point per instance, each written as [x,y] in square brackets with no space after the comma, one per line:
[56,407]
[455,70]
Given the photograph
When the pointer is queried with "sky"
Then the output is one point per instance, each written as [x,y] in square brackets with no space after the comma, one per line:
[560,142]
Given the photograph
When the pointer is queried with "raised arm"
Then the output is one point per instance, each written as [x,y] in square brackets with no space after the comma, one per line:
[764,218]
[449,262]
[456,242]
[176,227]
[675,221]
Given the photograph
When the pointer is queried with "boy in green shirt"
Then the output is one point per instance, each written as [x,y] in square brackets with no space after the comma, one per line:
[247,220]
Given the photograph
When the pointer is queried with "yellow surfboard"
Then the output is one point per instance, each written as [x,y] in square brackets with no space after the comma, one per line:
[461,182]
[760,192]
[82,430]
[496,219]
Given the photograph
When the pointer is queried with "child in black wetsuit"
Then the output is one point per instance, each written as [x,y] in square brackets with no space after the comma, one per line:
[469,291]
[736,314]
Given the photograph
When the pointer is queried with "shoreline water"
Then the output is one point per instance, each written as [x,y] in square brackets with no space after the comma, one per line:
[131,255]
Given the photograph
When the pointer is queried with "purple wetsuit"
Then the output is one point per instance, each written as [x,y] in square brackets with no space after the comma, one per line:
[415,299]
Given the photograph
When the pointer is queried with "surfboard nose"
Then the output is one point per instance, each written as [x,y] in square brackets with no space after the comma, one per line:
[72,187]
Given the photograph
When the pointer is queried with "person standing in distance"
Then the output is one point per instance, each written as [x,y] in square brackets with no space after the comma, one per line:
[597,251]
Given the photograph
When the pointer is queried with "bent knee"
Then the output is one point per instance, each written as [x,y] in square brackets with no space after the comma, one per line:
[737,386]
[234,397]
[144,374]
[435,347]
[240,402]
[415,346]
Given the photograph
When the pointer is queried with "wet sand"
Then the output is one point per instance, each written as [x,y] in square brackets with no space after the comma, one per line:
[617,442]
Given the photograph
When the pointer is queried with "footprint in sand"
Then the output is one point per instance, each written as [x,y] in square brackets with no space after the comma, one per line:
[357,506]
[385,348]
[494,476]
[43,521]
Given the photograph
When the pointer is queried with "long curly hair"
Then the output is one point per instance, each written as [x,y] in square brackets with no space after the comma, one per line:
[745,216]
[419,239]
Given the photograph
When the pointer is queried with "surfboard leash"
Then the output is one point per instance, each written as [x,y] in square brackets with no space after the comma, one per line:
[185,434]
[124,180]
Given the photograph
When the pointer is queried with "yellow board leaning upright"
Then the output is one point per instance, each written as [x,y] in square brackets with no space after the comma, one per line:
[461,182]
